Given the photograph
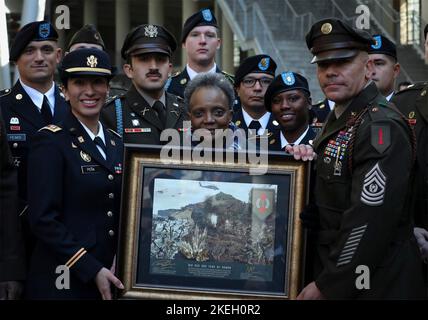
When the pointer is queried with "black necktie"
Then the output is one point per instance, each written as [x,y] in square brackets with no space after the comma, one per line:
[46,111]
[160,109]
[255,125]
[98,141]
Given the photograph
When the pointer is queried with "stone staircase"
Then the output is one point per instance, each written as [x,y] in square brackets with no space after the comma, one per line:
[288,21]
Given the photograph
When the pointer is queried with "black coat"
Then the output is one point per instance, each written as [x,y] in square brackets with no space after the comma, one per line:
[16,104]
[275,141]
[178,82]
[362,192]
[12,258]
[140,123]
[74,203]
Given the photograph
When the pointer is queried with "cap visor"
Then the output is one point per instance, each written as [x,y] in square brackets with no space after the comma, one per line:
[334,55]
[148,50]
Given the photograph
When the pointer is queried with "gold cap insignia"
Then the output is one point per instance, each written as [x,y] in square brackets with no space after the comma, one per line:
[92,61]
[326,28]
[151,31]
[18,96]
[86,157]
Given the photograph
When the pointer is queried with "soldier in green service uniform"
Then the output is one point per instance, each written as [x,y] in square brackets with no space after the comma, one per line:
[413,102]
[146,109]
[365,246]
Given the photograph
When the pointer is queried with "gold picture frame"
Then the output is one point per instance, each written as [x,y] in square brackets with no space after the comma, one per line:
[205,230]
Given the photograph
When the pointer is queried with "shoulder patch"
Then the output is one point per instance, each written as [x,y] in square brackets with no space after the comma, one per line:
[51,128]
[115,133]
[380,137]
[5,92]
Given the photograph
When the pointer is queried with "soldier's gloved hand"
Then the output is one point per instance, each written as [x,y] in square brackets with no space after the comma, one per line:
[10,290]
[421,236]
[310,217]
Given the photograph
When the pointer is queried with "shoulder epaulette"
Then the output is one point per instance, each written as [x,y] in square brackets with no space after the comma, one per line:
[51,128]
[112,98]
[115,133]
[229,76]
[416,86]
[5,92]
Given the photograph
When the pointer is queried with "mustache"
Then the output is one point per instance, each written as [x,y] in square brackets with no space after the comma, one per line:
[153,73]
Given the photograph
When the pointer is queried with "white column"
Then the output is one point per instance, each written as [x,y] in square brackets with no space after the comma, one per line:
[226,47]
[156,12]
[123,26]
[32,10]
[189,7]
[90,12]
[4,50]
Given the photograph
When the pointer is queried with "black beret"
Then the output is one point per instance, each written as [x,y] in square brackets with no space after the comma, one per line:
[285,81]
[85,62]
[148,38]
[331,39]
[383,46]
[87,34]
[261,63]
[204,17]
[33,31]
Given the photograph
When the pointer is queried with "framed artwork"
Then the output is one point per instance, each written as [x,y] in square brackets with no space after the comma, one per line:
[207,230]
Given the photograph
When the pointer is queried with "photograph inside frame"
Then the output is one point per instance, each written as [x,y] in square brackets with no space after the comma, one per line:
[216,230]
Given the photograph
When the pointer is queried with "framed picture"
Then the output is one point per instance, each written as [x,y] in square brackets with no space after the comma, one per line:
[194,229]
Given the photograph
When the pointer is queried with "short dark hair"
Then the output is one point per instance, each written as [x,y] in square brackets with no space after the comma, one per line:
[209,80]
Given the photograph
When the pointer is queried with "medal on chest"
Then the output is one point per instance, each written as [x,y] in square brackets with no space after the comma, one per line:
[336,150]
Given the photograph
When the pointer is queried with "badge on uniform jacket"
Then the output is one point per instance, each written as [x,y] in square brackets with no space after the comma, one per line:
[380,137]
[118,168]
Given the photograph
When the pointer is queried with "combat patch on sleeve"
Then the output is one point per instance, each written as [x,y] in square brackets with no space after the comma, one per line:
[380,137]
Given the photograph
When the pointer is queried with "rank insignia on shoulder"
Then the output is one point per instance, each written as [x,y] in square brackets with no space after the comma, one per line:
[5,92]
[52,128]
[380,137]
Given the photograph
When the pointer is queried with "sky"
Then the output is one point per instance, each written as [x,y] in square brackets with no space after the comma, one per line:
[175,194]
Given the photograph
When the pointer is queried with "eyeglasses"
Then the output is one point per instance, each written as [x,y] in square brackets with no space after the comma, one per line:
[250,82]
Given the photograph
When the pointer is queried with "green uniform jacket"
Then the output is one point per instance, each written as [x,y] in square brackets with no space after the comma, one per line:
[363,178]
[413,103]
[140,124]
